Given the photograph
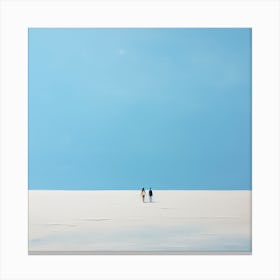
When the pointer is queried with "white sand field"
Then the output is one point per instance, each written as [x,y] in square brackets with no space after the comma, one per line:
[118,222]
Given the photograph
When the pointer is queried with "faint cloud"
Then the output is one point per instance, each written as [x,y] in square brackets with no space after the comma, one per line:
[121,52]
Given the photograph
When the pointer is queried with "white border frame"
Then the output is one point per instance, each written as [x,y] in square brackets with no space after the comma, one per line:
[17,16]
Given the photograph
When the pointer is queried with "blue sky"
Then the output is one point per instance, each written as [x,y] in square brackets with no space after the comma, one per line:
[126,108]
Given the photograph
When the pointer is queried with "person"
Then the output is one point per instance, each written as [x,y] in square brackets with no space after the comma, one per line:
[143,194]
[150,194]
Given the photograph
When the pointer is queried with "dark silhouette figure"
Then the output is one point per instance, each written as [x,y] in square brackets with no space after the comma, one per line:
[150,194]
[143,194]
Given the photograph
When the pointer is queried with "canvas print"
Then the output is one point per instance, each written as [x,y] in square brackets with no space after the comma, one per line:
[139,141]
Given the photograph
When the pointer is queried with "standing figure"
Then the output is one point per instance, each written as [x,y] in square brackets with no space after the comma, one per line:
[143,194]
[150,194]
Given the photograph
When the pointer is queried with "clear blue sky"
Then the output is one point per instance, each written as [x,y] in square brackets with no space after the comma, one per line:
[126,108]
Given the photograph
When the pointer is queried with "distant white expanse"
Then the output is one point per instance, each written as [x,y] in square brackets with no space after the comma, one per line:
[118,221]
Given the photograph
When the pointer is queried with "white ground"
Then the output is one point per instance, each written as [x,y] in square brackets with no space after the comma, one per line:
[118,221]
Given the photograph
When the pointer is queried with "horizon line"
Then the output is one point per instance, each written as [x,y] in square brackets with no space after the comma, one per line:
[135,188]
